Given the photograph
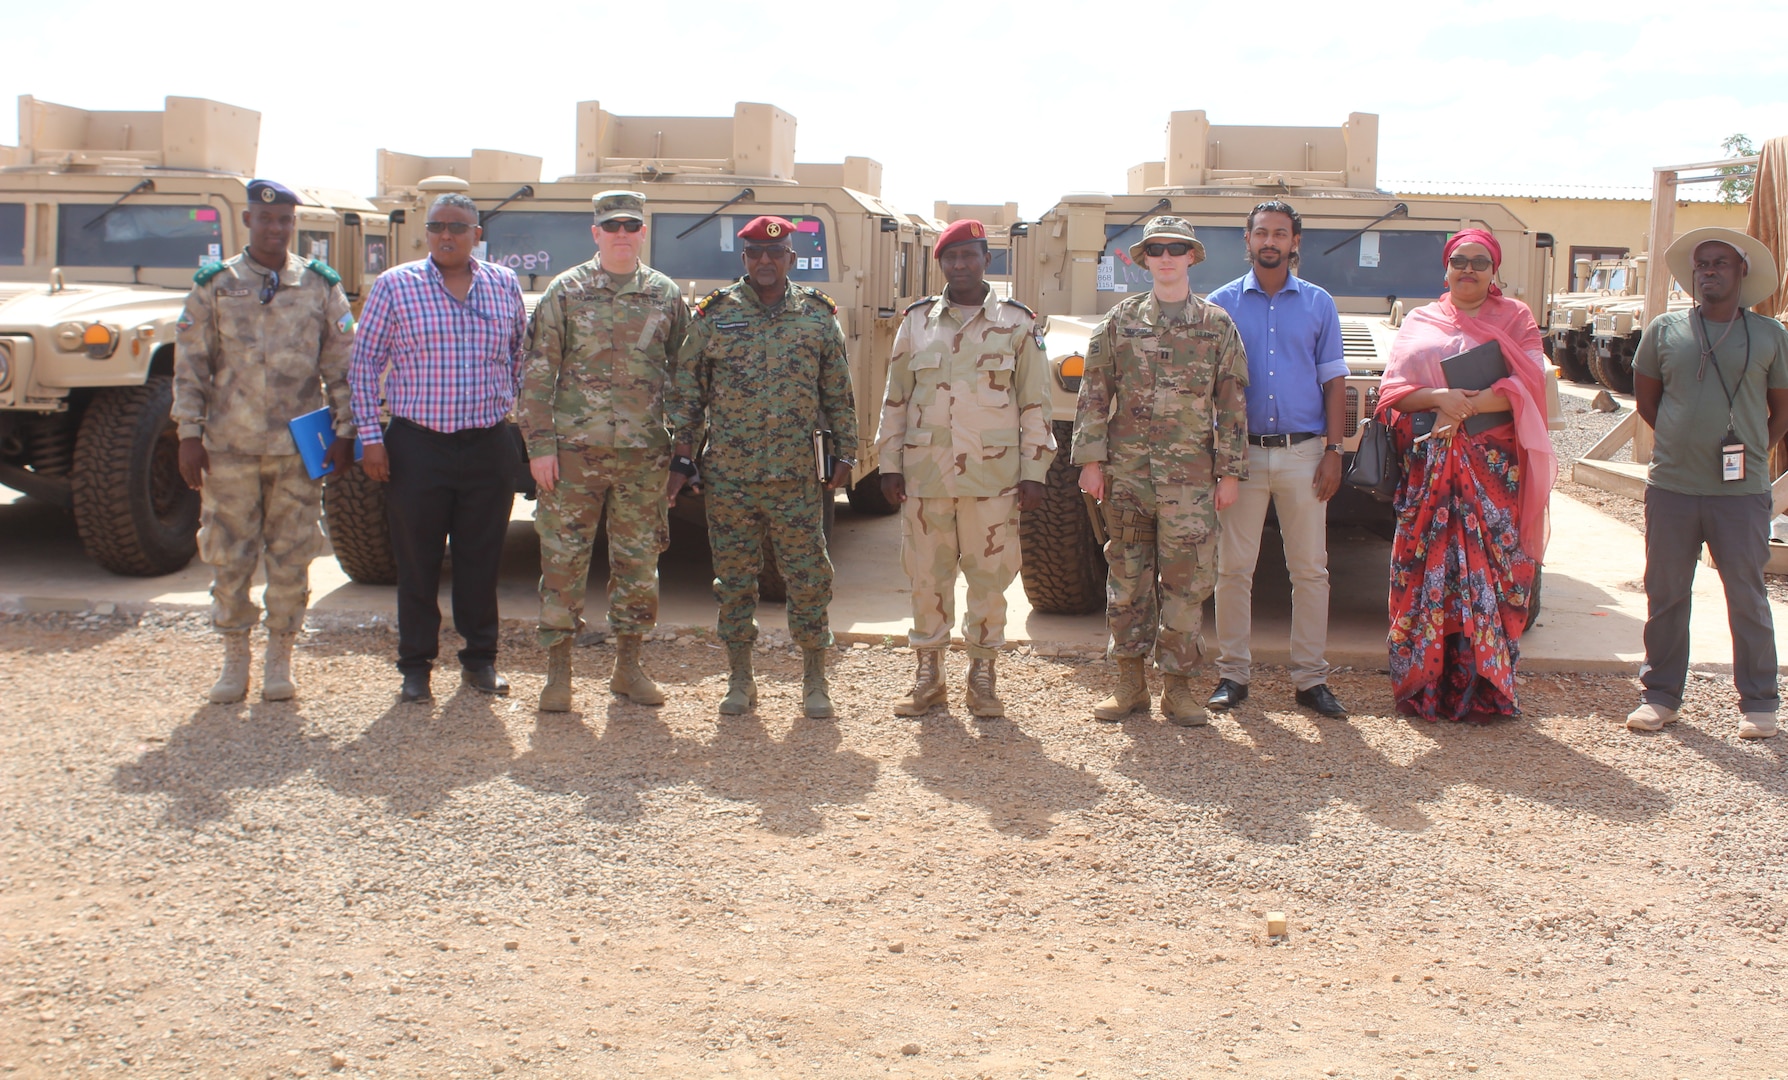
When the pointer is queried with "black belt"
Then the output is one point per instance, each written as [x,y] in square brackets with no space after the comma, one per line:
[1284,440]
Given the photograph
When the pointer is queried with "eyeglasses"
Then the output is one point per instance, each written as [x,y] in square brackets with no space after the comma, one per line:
[1480,263]
[615,225]
[1166,249]
[269,288]
[457,228]
[756,251]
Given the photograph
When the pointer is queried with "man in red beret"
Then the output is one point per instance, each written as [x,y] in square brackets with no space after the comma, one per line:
[964,446]
[762,368]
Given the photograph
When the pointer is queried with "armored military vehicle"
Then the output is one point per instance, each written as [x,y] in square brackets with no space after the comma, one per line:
[104,218]
[1571,316]
[1379,258]
[704,178]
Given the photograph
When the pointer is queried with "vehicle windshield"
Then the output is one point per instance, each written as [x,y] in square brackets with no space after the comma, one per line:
[712,251]
[543,242]
[146,236]
[1404,263]
[1610,278]
[12,234]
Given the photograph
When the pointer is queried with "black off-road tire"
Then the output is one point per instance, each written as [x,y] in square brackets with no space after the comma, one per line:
[354,517]
[134,514]
[1614,371]
[1571,352]
[866,496]
[770,585]
[1064,566]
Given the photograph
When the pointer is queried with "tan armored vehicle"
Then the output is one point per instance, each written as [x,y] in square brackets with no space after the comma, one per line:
[704,178]
[1379,258]
[104,218]
[1571,316]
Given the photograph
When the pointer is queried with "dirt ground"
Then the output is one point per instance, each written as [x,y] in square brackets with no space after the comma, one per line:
[345,886]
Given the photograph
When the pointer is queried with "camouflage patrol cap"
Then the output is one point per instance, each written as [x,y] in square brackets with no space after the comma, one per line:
[621,205]
[1166,229]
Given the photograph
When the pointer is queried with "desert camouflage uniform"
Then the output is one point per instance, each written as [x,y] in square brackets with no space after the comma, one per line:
[761,380]
[600,351]
[1162,406]
[242,370]
[965,419]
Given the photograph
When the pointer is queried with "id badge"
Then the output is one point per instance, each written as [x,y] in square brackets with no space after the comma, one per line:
[1732,458]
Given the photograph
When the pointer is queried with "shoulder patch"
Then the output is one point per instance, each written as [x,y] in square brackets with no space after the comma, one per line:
[700,307]
[919,303]
[1019,306]
[826,300]
[207,272]
[324,271]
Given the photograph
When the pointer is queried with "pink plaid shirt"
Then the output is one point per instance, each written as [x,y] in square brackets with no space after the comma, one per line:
[453,365]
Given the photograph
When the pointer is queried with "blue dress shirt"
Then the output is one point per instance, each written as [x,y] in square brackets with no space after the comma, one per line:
[1293,340]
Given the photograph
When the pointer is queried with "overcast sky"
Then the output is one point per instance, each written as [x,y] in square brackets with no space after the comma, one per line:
[970,102]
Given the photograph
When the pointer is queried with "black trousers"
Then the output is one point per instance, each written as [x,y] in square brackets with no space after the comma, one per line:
[459,485]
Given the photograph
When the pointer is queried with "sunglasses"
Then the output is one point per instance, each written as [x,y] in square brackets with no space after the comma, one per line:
[269,288]
[756,251]
[1480,263]
[1166,249]
[457,228]
[615,225]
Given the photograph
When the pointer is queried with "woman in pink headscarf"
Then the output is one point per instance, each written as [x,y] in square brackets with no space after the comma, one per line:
[1471,514]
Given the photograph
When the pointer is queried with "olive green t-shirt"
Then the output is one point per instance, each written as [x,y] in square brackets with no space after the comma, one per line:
[1692,417]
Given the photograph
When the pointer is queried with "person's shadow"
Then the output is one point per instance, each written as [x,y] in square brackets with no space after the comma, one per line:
[220,749]
[1000,768]
[414,756]
[613,772]
[787,779]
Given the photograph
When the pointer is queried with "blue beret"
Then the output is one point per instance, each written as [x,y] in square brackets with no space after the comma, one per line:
[271,193]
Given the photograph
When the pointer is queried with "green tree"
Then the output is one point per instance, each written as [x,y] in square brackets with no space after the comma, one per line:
[1736,189]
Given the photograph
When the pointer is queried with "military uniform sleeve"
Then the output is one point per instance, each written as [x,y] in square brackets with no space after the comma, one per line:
[1036,436]
[545,356]
[688,399]
[195,362]
[1229,407]
[1092,410]
[333,358]
[518,333]
[836,399]
[372,350]
[890,439]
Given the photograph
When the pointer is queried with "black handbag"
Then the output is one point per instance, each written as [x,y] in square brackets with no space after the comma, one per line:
[1376,468]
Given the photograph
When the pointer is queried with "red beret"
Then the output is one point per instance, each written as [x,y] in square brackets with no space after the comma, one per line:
[768,228]
[959,232]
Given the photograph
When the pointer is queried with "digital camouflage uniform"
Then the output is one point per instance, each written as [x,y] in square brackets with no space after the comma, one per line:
[965,419]
[601,347]
[760,380]
[242,370]
[1162,405]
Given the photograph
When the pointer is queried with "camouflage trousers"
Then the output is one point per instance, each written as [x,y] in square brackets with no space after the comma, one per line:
[629,485]
[256,508]
[979,535]
[1156,588]
[791,515]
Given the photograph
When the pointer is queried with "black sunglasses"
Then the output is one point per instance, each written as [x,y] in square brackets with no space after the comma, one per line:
[269,288]
[615,225]
[1166,249]
[1480,263]
[757,251]
[457,228]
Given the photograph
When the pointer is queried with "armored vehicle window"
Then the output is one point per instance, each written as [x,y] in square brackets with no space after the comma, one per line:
[1224,260]
[314,245]
[378,255]
[542,242]
[148,236]
[12,234]
[712,251]
[1001,263]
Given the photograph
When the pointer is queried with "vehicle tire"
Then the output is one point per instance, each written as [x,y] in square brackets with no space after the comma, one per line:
[770,584]
[134,514]
[1063,565]
[1614,369]
[866,496]
[354,517]
[1572,353]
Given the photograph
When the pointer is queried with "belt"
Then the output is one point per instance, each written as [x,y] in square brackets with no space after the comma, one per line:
[1284,440]
[461,435]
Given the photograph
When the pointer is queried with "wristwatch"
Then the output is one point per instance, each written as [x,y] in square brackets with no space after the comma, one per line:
[1333,448]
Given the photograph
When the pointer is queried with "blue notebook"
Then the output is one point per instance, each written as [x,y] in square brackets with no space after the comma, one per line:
[313,432]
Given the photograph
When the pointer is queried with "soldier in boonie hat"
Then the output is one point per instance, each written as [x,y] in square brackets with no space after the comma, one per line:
[619,205]
[271,193]
[1168,229]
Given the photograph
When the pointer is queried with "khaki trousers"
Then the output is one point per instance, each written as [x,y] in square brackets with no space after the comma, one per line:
[1282,476]
[977,535]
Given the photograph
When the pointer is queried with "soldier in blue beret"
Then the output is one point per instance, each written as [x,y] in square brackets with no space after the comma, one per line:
[271,193]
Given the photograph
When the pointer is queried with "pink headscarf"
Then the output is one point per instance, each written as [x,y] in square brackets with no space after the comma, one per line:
[1476,236]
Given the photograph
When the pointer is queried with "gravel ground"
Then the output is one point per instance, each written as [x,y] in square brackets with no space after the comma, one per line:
[344,886]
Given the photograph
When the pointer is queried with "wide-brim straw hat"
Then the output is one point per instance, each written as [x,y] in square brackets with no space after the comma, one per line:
[1762,276]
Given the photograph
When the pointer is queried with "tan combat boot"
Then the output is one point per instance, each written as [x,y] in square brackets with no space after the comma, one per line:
[276,679]
[1179,704]
[741,686]
[816,701]
[983,699]
[928,689]
[555,696]
[1131,695]
[628,680]
[232,685]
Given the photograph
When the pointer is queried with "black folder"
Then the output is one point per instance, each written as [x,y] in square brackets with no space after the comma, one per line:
[1476,368]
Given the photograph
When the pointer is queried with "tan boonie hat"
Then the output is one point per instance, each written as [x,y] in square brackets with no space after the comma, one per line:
[1164,229]
[625,205]
[1762,276]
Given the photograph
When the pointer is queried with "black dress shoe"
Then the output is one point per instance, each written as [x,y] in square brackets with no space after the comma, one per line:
[415,688]
[485,680]
[1321,699]
[1228,695]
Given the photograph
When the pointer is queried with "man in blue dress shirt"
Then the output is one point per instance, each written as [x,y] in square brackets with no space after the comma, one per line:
[1296,379]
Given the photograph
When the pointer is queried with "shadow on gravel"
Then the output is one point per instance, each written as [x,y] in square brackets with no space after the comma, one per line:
[1764,763]
[787,780]
[997,766]
[414,756]
[220,749]
[635,754]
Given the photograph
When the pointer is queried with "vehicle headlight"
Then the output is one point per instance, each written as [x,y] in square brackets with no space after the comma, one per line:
[99,340]
[1068,371]
[5,365]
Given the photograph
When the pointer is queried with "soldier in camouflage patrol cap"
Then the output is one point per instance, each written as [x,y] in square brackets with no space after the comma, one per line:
[764,367]
[1161,435]
[264,335]
[965,445]
[601,347]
